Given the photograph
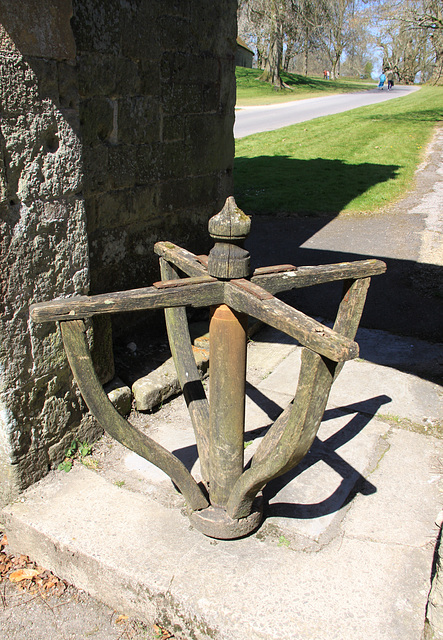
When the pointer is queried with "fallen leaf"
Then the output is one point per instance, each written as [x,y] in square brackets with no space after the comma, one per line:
[120,619]
[4,541]
[23,574]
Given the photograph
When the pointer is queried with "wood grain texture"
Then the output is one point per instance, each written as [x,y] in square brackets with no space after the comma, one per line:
[292,434]
[227,379]
[308,332]
[181,258]
[290,437]
[300,277]
[187,372]
[192,294]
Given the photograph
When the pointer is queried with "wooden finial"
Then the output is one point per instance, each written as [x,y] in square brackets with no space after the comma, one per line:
[229,228]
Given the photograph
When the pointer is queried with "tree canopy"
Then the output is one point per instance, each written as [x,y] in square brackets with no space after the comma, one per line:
[345,37]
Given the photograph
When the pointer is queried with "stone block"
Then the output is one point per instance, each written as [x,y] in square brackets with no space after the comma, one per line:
[96,26]
[180,68]
[211,97]
[18,88]
[175,194]
[177,34]
[96,74]
[122,166]
[173,128]
[122,258]
[113,210]
[134,25]
[211,131]
[173,161]
[96,119]
[215,22]
[127,77]
[138,120]
[157,386]
[96,174]
[46,77]
[145,203]
[227,85]
[150,76]
[40,29]
[120,395]
[176,99]
[68,86]
[146,163]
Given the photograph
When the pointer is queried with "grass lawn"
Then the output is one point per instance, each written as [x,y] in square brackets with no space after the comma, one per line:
[250,91]
[355,162]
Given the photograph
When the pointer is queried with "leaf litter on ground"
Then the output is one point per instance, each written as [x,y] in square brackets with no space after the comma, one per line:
[28,577]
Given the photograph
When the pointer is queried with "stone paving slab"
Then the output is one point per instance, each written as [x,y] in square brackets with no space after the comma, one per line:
[346,549]
[145,559]
[364,383]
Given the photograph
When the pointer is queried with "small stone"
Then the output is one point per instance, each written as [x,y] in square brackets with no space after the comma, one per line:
[120,395]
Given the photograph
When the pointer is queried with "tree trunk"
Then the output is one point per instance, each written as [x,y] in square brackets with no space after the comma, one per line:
[271,71]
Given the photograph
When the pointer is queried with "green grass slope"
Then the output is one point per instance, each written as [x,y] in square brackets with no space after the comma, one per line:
[359,161]
[251,91]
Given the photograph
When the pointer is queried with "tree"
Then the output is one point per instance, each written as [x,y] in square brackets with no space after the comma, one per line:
[338,33]
[308,18]
[410,35]
[265,18]
[271,73]
[429,19]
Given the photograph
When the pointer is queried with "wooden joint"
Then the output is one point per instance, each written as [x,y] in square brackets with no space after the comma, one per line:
[253,289]
[203,259]
[182,282]
[278,268]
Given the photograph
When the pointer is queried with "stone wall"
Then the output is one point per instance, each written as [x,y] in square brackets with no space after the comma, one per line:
[156,107]
[116,131]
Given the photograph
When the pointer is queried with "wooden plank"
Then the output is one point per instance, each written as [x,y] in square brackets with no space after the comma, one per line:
[114,424]
[181,258]
[309,276]
[187,372]
[351,309]
[193,295]
[308,332]
[261,271]
[182,282]
[254,289]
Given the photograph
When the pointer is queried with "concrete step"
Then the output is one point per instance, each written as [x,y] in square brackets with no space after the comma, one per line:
[345,551]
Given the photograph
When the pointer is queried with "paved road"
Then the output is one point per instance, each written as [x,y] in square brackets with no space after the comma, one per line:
[250,120]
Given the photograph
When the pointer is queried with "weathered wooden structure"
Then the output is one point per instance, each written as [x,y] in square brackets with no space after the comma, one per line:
[226,505]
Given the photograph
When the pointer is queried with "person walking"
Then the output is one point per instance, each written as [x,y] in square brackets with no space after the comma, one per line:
[390,77]
[382,80]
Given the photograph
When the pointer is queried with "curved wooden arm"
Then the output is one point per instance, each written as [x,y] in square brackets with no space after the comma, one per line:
[291,436]
[187,372]
[74,339]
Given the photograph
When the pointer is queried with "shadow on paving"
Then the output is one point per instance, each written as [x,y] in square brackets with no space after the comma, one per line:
[353,482]
[407,300]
